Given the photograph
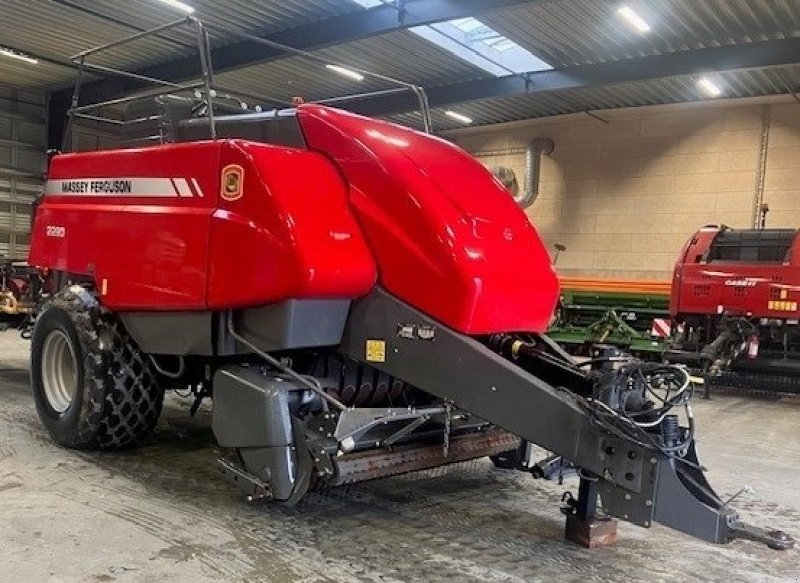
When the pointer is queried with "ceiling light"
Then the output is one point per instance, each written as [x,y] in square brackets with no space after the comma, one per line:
[709,87]
[345,72]
[179,5]
[15,55]
[458,116]
[634,19]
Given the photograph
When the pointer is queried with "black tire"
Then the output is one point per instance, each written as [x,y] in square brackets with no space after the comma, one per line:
[104,394]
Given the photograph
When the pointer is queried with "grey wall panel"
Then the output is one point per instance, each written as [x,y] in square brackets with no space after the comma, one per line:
[23,136]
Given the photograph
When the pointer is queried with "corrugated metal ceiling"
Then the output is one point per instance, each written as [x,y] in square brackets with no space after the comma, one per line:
[580,32]
[49,28]
[653,92]
[43,76]
[62,28]
[563,32]
[247,15]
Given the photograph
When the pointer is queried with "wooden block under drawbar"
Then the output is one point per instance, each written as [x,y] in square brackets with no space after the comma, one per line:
[597,533]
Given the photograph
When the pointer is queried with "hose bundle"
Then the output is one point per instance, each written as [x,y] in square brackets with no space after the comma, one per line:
[637,401]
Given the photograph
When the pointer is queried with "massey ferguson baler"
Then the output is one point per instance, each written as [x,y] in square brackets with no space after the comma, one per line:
[363,302]
[357,298]
[735,299]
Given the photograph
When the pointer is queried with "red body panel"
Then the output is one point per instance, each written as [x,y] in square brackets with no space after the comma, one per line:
[197,252]
[151,251]
[291,235]
[158,234]
[447,237]
[757,289]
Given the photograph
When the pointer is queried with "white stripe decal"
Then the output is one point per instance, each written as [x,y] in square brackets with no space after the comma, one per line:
[197,187]
[183,187]
[119,186]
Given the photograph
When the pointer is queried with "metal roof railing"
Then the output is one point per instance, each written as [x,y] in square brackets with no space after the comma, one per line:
[205,89]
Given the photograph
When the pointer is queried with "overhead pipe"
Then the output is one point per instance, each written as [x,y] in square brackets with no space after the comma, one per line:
[533,159]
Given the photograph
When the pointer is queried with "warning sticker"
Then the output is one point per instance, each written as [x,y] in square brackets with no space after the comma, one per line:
[407,331]
[376,351]
[426,332]
[416,331]
[782,306]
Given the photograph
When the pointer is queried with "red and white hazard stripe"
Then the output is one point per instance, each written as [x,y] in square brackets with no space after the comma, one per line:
[186,188]
[662,328]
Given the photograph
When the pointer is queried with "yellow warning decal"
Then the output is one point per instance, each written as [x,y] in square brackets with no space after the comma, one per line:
[231,185]
[376,351]
[782,306]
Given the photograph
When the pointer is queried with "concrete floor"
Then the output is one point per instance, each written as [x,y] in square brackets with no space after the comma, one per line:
[164,513]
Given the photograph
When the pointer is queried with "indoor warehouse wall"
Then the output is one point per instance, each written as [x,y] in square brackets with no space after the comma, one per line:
[625,195]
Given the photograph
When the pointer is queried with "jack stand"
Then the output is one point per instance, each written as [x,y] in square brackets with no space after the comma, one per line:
[584,527]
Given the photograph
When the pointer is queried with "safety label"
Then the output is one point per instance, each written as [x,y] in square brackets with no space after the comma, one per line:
[376,351]
[416,331]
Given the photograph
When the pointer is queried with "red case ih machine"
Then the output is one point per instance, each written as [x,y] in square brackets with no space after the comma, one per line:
[358,298]
[736,300]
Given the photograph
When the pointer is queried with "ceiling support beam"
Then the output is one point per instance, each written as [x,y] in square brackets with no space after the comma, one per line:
[761,55]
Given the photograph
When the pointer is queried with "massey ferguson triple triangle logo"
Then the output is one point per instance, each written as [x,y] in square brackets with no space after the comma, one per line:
[231,183]
[135,186]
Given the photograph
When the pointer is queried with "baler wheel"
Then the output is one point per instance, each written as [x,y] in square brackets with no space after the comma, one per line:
[93,387]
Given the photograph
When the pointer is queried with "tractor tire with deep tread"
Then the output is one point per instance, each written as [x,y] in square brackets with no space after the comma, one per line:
[93,387]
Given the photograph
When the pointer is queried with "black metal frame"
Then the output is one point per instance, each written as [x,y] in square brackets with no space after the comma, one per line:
[636,483]
[206,85]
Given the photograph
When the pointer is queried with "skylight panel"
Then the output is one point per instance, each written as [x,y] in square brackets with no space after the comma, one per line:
[369,3]
[473,41]
[501,43]
[459,49]
[468,24]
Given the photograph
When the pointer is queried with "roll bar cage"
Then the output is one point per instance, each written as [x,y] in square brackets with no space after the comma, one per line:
[206,88]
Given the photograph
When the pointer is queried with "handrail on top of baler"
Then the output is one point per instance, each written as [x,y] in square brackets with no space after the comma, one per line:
[210,90]
[419,92]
